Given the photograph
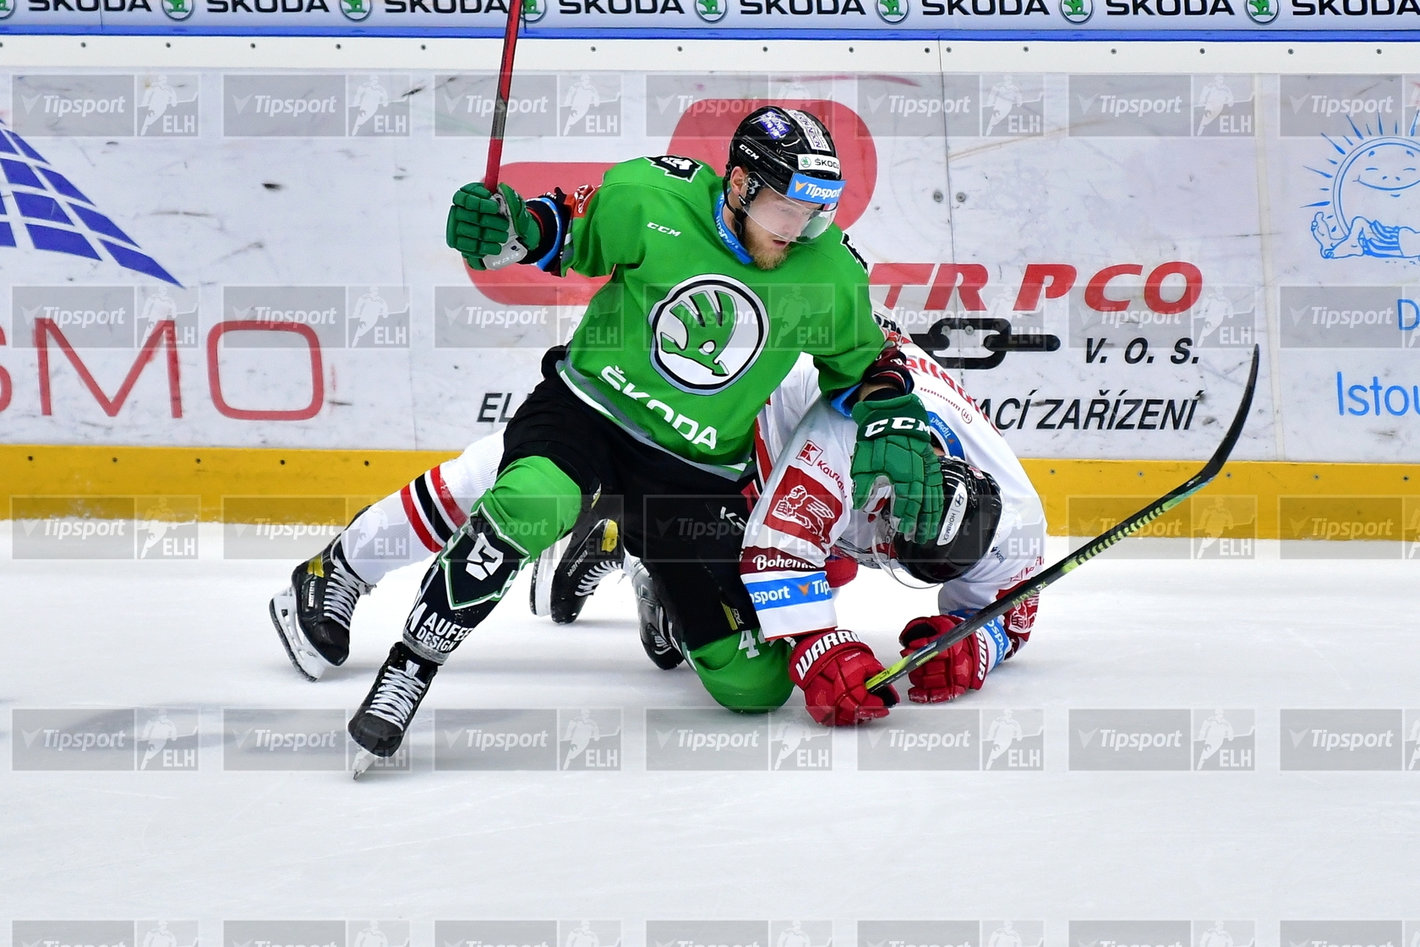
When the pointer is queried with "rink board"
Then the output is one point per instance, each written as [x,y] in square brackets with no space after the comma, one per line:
[214,254]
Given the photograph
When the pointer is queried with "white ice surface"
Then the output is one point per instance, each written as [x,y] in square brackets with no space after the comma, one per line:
[1263,633]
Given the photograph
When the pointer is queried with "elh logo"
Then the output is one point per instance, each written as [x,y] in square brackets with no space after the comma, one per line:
[589,739]
[798,746]
[1225,740]
[1012,106]
[1222,106]
[1013,739]
[377,104]
[589,105]
[377,317]
[168,106]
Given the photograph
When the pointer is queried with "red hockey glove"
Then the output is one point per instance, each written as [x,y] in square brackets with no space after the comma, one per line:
[831,668]
[960,668]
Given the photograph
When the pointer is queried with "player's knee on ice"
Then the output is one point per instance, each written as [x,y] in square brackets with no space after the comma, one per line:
[747,680]
[533,502]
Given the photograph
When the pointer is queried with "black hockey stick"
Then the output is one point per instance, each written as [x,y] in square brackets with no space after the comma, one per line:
[1085,553]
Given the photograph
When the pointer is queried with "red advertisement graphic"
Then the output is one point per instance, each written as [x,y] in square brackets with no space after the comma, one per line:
[804,507]
[703,132]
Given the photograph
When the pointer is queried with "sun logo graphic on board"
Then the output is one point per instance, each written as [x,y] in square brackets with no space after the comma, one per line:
[1372,202]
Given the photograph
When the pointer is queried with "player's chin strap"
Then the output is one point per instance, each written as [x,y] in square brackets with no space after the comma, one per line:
[728,237]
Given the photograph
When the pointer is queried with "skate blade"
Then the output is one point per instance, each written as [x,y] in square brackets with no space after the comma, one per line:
[364,759]
[304,658]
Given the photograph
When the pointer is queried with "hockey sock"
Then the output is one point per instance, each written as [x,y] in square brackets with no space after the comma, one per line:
[530,505]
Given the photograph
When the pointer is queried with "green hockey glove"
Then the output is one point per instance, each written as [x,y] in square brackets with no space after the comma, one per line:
[478,227]
[895,450]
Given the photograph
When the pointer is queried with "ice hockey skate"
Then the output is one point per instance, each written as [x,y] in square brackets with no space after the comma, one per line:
[569,571]
[378,727]
[652,620]
[312,614]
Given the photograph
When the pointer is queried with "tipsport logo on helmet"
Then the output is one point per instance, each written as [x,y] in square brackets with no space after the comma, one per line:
[815,190]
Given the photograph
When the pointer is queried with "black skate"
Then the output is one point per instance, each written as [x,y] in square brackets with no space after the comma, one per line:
[312,614]
[654,623]
[382,720]
[569,571]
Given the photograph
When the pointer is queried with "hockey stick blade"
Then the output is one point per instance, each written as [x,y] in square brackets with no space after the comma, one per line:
[1085,553]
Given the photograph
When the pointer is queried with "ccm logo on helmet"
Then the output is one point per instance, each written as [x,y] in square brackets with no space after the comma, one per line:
[897,424]
[818,191]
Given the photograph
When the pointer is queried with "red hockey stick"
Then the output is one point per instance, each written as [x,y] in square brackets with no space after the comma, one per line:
[500,105]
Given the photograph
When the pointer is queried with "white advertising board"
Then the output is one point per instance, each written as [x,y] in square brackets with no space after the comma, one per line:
[255,257]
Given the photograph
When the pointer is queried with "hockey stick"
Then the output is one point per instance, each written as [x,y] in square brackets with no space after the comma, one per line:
[1085,553]
[500,104]
[514,249]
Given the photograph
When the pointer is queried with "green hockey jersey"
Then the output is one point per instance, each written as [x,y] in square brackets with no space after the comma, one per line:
[687,340]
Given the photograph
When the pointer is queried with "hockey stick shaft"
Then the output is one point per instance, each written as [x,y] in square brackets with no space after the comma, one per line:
[1085,553]
[500,104]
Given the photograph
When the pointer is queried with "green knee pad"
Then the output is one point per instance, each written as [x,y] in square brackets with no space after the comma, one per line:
[744,676]
[532,503]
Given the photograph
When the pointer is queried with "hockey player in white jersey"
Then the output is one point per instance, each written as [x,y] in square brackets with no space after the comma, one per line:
[991,539]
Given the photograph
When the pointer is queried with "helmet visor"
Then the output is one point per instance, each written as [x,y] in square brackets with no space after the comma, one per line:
[797,219]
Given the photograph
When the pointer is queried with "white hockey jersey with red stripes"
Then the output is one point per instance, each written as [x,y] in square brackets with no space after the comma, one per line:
[806,513]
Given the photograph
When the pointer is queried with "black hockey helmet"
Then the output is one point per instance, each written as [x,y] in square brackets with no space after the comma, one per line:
[970,514]
[790,153]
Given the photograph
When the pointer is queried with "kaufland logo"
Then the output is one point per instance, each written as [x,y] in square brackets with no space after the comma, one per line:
[820,192]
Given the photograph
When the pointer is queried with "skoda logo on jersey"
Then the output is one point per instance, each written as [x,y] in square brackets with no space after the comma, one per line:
[533,10]
[712,11]
[706,332]
[892,11]
[355,10]
[815,190]
[1077,11]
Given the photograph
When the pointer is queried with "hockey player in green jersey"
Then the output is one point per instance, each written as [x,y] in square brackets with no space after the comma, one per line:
[716,286]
